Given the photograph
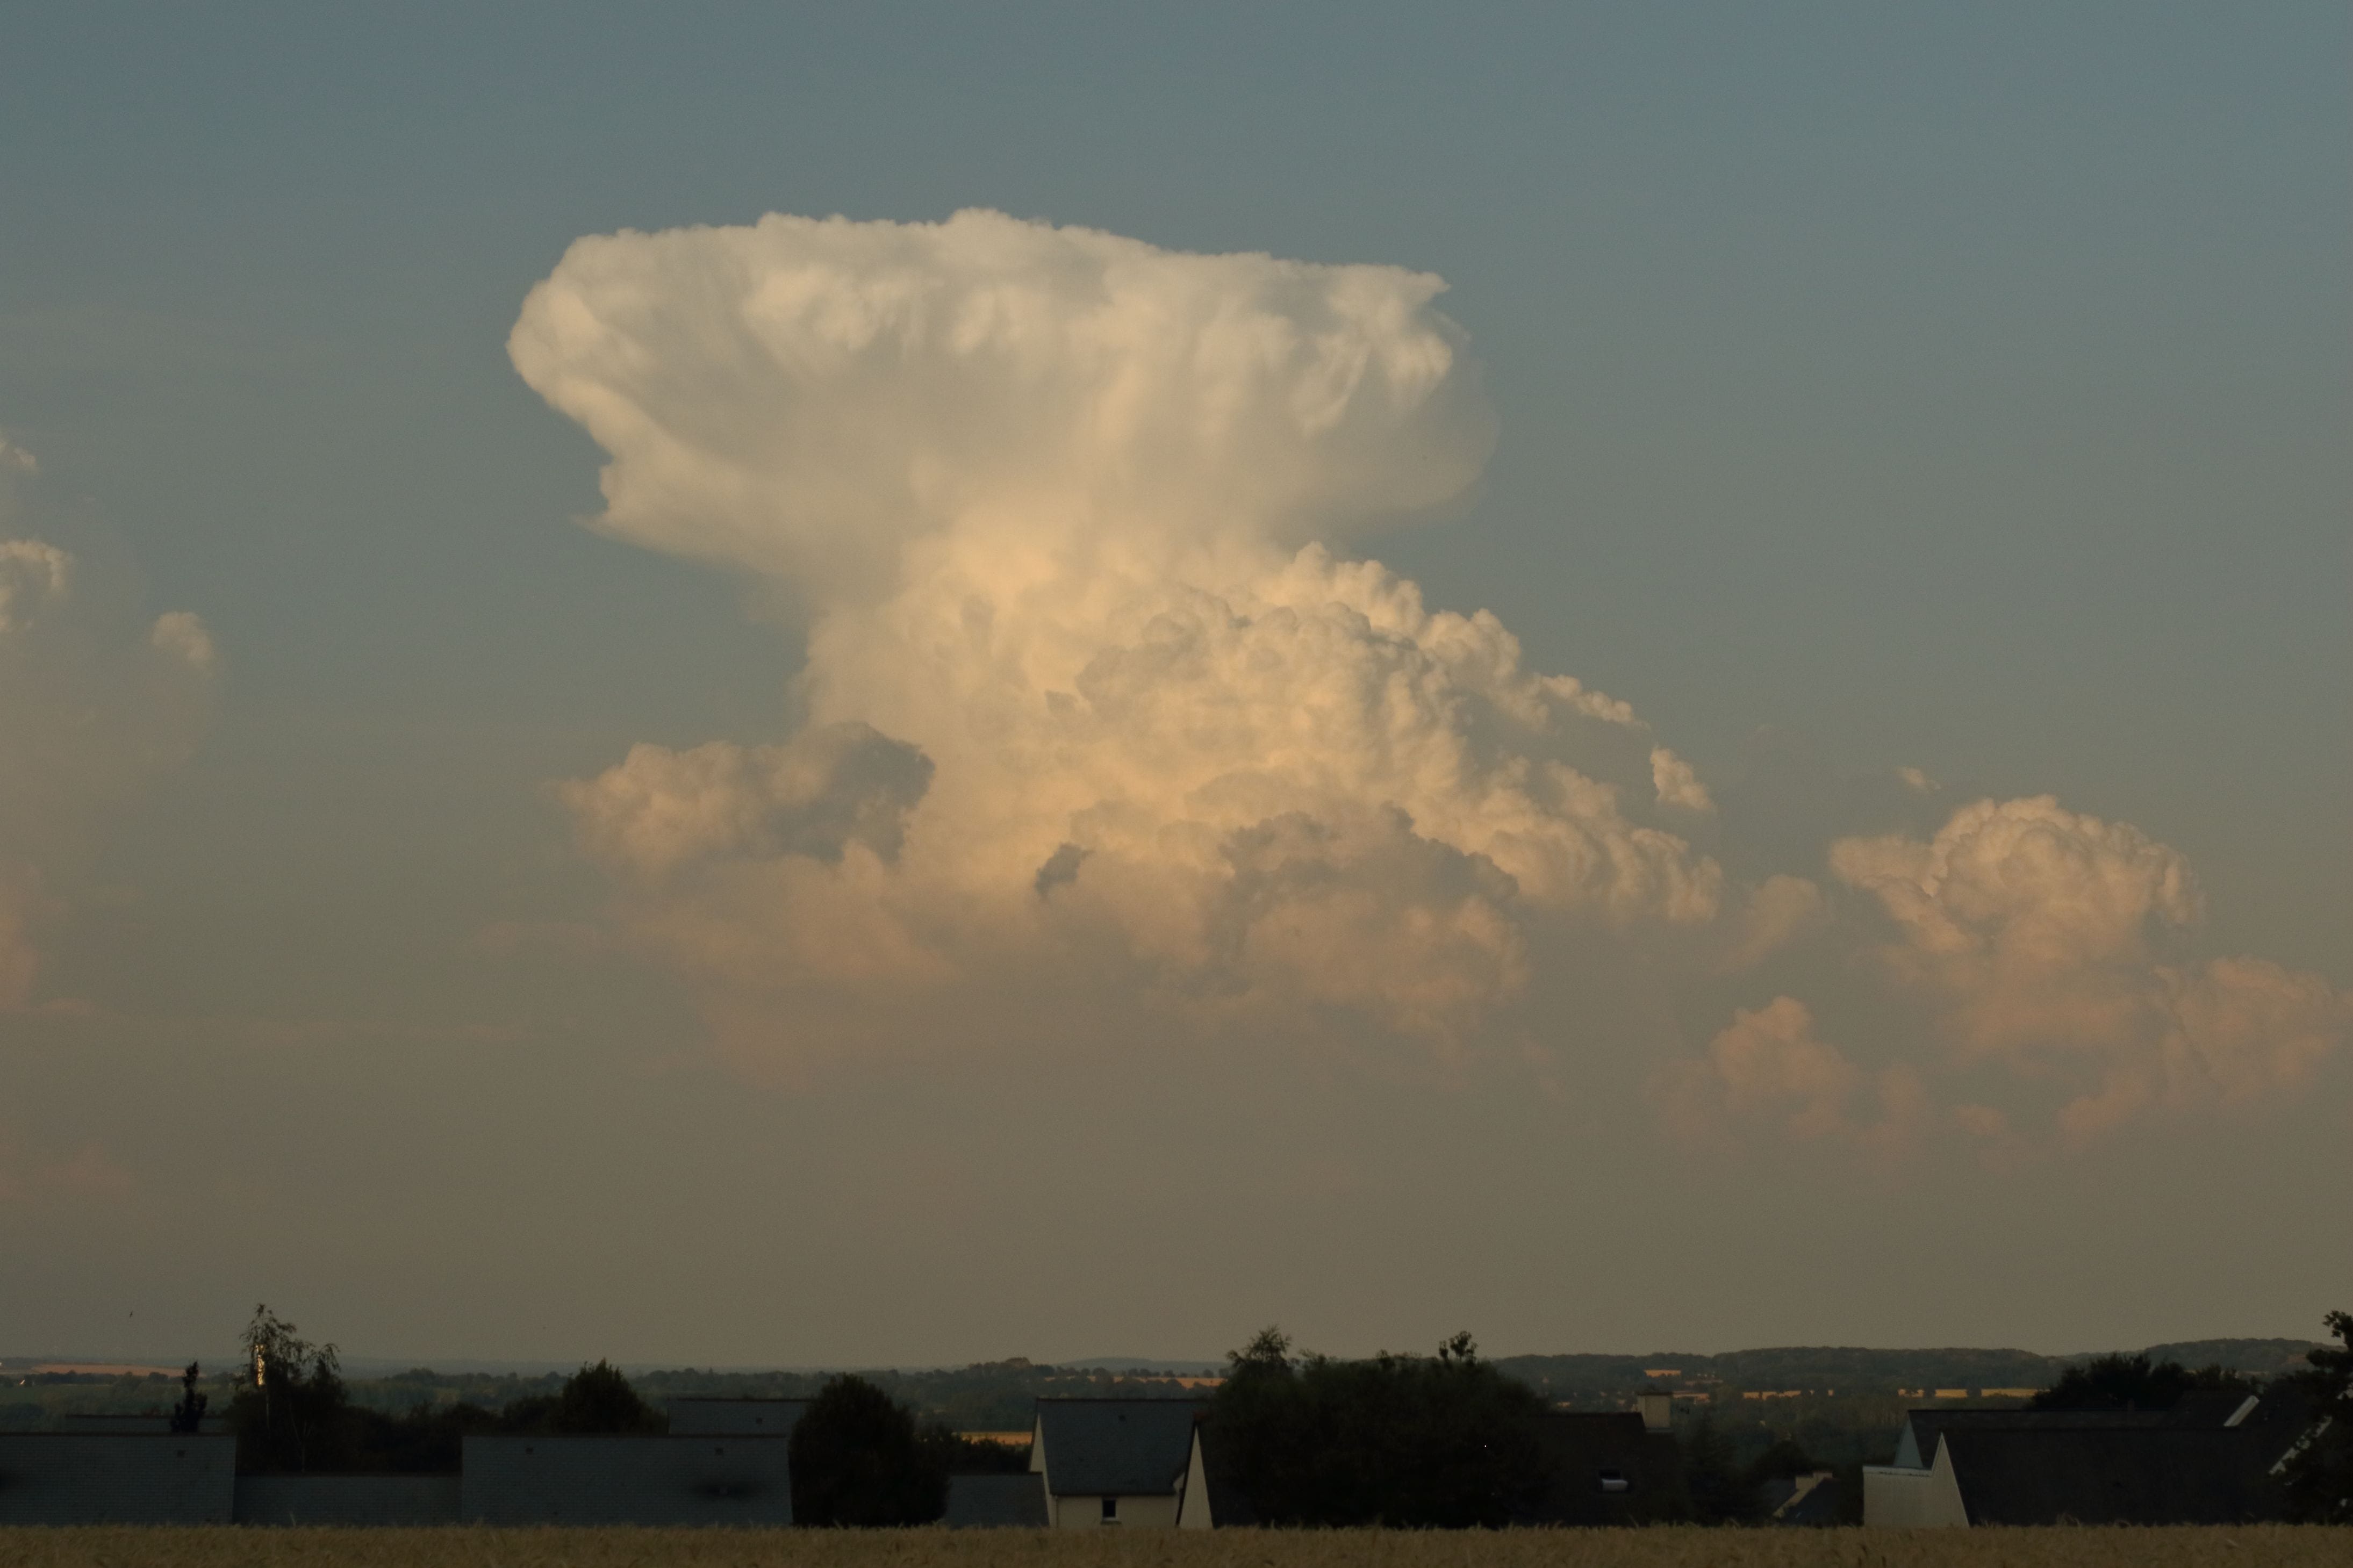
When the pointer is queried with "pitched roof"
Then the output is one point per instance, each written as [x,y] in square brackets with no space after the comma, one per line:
[1916,1448]
[974,1501]
[2284,1409]
[1116,1446]
[2131,1475]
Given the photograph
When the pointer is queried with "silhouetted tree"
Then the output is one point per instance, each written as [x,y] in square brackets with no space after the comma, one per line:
[2319,1472]
[599,1399]
[291,1413]
[188,1415]
[2131,1383]
[858,1459]
[1783,1460]
[1438,1441]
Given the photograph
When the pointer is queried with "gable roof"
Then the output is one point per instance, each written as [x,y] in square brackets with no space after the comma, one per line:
[2127,1475]
[2284,1409]
[1125,1448]
[1915,1447]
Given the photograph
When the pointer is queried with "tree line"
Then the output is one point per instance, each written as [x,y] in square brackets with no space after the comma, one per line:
[1446,1441]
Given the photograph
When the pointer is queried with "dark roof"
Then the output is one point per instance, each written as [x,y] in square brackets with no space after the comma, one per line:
[2286,1410]
[1916,1446]
[1127,1447]
[2120,1475]
[1019,1501]
[1583,1449]
[2206,1409]
[1816,1506]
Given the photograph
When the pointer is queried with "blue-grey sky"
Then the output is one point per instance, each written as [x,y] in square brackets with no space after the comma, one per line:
[1872,388]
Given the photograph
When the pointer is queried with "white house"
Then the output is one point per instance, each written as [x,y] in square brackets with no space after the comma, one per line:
[1122,1462]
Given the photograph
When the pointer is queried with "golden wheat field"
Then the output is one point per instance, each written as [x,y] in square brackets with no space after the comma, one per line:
[1662,1548]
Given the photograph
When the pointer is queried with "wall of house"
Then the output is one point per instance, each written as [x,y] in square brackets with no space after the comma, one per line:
[1895,1497]
[347,1500]
[1193,1503]
[117,1478]
[1079,1510]
[627,1480]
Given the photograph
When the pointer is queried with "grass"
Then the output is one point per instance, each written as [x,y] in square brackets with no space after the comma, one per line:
[1667,1548]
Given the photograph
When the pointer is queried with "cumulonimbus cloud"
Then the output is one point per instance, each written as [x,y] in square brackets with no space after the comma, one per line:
[95,702]
[1057,503]
[1091,684]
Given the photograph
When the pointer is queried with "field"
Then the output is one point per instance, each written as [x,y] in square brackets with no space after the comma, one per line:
[1666,1548]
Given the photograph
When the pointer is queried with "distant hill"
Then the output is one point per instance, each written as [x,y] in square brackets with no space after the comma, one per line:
[1858,1371]
[2257,1358]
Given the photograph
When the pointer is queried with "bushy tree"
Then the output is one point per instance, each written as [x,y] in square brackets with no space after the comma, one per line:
[859,1459]
[599,1399]
[2320,1471]
[1437,1441]
[1784,1459]
[291,1411]
[2131,1383]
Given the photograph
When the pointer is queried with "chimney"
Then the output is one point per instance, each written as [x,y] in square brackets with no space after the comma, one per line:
[1658,1412]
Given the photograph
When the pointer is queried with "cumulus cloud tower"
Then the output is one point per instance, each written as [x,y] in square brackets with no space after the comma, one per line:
[1059,503]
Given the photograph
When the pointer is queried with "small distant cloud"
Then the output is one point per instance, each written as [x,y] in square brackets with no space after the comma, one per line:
[1769,1071]
[95,704]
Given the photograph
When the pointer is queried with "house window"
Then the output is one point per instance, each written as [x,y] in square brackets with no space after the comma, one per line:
[1111,1511]
[1615,1481]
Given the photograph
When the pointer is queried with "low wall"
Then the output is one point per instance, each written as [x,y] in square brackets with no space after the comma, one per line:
[347,1500]
[111,1477]
[627,1480]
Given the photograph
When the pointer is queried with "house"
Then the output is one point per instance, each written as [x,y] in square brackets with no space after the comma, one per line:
[1213,1498]
[117,1478]
[154,1421]
[2213,1458]
[1610,1466]
[1115,1461]
[1810,1500]
[511,1480]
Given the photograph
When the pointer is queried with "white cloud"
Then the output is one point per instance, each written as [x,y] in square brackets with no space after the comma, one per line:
[1055,501]
[1770,1069]
[2043,938]
[1095,699]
